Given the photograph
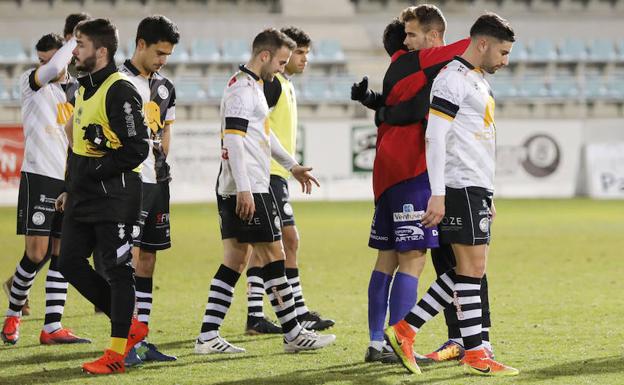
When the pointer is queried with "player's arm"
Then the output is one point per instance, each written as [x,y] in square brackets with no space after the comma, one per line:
[237,111]
[369,98]
[169,119]
[433,56]
[125,116]
[301,173]
[272,91]
[69,131]
[446,96]
[407,112]
[53,68]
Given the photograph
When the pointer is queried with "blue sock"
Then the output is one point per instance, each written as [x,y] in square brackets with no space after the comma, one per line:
[378,289]
[403,296]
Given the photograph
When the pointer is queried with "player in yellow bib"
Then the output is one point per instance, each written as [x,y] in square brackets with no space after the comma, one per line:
[281,96]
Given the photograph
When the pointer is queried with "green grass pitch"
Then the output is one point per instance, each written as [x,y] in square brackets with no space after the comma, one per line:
[555,275]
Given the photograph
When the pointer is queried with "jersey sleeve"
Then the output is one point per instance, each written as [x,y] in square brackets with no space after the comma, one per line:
[26,84]
[170,114]
[272,91]
[436,55]
[447,93]
[238,108]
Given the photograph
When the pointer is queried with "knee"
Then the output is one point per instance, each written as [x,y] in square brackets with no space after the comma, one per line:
[291,243]
[147,261]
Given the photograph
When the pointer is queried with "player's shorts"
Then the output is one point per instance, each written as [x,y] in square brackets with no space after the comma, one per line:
[153,231]
[467,217]
[397,219]
[265,226]
[279,191]
[36,214]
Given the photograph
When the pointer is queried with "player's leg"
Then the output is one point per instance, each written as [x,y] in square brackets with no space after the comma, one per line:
[235,257]
[34,221]
[443,260]
[310,320]
[378,292]
[56,296]
[236,254]
[257,322]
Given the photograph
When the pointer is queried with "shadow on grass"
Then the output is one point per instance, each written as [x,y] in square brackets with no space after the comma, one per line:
[602,365]
[51,356]
[355,373]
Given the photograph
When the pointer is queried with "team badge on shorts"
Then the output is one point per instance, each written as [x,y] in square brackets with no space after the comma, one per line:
[484,225]
[38,218]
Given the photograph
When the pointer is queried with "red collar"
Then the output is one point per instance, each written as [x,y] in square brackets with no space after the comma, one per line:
[397,55]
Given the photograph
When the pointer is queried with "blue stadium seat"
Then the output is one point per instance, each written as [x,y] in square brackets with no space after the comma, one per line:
[11,51]
[5,95]
[236,51]
[573,50]
[204,51]
[316,89]
[189,90]
[602,50]
[328,51]
[615,88]
[564,88]
[620,49]
[341,88]
[543,50]
[518,53]
[595,88]
[180,55]
[532,87]
[503,87]
[216,86]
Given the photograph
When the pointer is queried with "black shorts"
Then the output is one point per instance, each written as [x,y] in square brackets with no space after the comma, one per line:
[265,226]
[279,191]
[468,216]
[153,231]
[36,214]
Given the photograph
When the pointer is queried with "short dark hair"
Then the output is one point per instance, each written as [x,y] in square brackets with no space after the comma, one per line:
[490,24]
[394,37]
[102,33]
[49,41]
[428,16]
[72,20]
[157,28]
[300,38]
[271,40]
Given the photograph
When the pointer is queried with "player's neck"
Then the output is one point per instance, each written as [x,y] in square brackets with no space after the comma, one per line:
[135,62]
[472,56]
[254,67]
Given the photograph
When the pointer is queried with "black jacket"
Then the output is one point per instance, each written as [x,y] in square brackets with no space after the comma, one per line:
[106,189]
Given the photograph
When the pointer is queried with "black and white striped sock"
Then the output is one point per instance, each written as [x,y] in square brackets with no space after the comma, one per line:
[281,296]
[56,295]
[467,300]
[293,281]
[22,281]
[143,298]
[255,292]
[219,300]
[438,297]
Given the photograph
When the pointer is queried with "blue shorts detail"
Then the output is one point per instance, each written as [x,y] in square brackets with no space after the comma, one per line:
[396,222]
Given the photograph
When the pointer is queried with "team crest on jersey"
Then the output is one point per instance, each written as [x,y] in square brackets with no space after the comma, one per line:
[163,92]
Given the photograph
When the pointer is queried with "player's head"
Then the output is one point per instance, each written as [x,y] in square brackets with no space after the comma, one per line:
[424,26]
[71,21]
[299,58]
[97,42]
[271,49]
[394,37]
[46,48]
[155,40]
[492,37]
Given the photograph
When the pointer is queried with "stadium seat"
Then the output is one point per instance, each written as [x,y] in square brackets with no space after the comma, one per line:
[235,51]
[503,87]
[532,87]
[204,51]
[5,95]
[341,88]
[216,86]
[573,50]
[328,51]
[543,50]
[595,88]
[620,49]
[615,88]
[564,88]
[518,53]
[11,51]
[189,91]
[180,55]
[602,50]
[316,89]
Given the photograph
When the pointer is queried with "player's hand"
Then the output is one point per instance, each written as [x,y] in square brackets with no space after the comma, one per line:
[305,178]
[492,212]
[59,205]
[435,211]
[94,133]
[245,206]
[359,91]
